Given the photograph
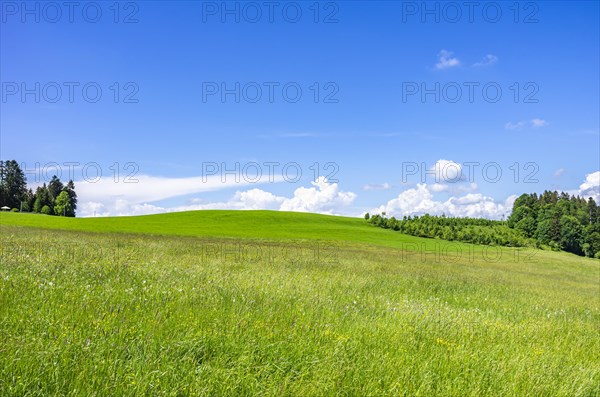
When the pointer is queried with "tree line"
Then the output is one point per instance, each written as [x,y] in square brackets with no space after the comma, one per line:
[559,220]
[55,198]
[469,230]
[551,220]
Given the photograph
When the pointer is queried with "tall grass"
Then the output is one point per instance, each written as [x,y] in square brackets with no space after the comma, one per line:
[90,314]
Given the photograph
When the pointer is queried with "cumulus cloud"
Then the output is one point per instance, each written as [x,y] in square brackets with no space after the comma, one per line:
[410,201]
[446,60]
[439,187]
[447,176]
[488,60]
[447,171]
[323,197]
[591,186]
[452,188]
[256,199]
[420,200]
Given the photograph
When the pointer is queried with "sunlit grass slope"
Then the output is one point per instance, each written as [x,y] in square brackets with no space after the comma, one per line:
[216,303]
[217,223]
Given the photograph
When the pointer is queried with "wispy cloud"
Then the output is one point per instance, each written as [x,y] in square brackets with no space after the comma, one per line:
[298,135]
[519,125]
[377,186]
[487,60]
[147,189]
[514,126]
[537,123]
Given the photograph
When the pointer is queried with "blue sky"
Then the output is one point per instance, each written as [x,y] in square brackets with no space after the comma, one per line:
[162,66]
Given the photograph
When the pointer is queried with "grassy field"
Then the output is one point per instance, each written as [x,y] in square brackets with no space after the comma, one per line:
[284,304]
[236,224]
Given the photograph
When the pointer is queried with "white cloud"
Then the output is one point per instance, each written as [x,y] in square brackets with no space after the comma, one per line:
[591,186]
[447,171]
[469,188]
[105,197]
[322,197]
[489,59]
[514,126]
[449,176]
[91,208]
[377,186]
[439,187]
[559,172]
[446,60]
[537,123]
[519,125]
[452,188]
[256,199]
[119,207]
[419,201]
[410,201]
[151,188]
[253,199]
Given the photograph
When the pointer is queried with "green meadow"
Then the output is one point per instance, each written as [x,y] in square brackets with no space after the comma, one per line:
[245,303]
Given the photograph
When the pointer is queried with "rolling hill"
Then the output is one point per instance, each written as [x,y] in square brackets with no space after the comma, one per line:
[166,305]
